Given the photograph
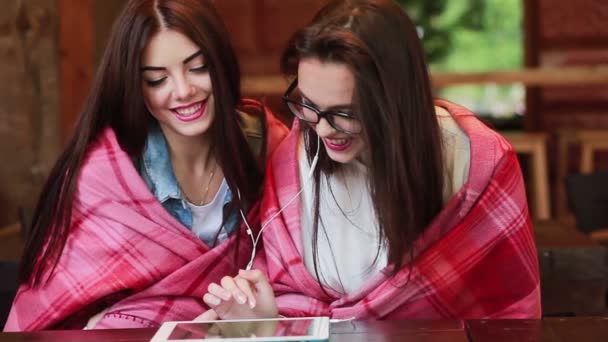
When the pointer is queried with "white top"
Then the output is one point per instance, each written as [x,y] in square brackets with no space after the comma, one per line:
[207,219]
[345,263]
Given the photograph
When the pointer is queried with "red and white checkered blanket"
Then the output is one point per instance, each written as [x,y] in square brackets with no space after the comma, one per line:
[478,256]
[126,252]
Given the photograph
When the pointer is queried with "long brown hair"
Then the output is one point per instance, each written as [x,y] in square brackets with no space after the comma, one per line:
[116,100]
[393,99]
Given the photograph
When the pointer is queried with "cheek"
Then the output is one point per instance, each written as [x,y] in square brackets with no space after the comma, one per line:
[157,97]
[360,145]
[203,82]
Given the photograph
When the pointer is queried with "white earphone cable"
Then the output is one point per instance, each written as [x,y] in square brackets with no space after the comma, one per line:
[254,241]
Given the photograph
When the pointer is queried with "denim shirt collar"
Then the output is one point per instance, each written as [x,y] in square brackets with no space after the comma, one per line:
[158,167]
[157,171]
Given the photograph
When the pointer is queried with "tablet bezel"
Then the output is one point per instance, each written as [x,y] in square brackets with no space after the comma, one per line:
[320,326]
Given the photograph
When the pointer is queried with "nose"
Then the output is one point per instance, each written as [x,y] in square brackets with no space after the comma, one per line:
[323,128]
[183,88]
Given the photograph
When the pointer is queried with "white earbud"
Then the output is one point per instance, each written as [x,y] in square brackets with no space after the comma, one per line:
[313,164]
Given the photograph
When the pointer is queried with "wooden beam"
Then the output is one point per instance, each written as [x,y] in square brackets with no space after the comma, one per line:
[531,27]
[546,77]
[76,58]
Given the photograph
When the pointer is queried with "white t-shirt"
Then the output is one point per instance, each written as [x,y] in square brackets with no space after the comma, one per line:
[207,219]
[348,238]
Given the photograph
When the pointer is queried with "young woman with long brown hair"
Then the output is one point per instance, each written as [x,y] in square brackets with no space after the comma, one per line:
[145,206]
[383,203]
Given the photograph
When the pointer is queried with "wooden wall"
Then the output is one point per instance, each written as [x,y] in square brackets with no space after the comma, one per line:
[566,33]
[260,29]
[29,108]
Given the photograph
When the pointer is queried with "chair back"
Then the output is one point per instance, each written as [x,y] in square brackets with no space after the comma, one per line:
[588,198]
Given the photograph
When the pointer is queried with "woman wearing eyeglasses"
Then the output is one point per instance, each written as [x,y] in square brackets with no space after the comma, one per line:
[414,209]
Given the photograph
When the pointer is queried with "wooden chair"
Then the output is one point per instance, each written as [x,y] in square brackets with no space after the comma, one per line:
[588,198]
[534,144]
[590,141]
[573,268]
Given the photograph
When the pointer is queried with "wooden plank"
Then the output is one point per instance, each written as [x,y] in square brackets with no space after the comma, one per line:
[546,76]
[95,335]
[561,234]
[509,330]
[534,145]
[573,268]
[412,336]
[531,33]
[77,61]
[387,331]
[550,77]
[533,118]
[580,329]
[377,326]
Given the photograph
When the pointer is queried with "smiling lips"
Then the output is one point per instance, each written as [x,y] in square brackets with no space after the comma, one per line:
[190,112]
[338,145]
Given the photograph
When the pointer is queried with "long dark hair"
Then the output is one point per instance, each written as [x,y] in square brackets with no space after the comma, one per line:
[393,99]
[116,100]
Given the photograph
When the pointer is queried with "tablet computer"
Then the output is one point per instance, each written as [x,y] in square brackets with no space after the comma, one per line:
[276,329]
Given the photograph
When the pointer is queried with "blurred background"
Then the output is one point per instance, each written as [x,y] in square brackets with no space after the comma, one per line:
[536,70]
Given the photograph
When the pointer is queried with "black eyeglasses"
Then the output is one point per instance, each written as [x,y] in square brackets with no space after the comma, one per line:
[342,122]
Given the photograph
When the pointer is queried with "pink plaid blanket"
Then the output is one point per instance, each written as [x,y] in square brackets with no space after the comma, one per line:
[126,252]
[478,257]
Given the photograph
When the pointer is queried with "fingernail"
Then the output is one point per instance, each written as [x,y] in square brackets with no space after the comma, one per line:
[252,303]
[213,301]
[225,295]
[241,299]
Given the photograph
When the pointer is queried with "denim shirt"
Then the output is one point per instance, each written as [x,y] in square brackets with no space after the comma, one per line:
[157,171]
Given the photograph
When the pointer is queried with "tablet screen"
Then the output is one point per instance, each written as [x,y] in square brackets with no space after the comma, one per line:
[262,328]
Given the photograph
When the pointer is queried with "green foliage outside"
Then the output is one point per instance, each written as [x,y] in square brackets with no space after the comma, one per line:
[474,36]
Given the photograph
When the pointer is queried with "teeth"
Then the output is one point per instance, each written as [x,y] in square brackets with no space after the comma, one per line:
[338,142]
[189,110]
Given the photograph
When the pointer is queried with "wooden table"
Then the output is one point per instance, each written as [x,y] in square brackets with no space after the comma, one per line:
[593,329]
[349,331]
[556,329]
[388,331]
[573,269]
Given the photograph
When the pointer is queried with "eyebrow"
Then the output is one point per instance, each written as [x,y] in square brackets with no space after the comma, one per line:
[185,61]
[330,108]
